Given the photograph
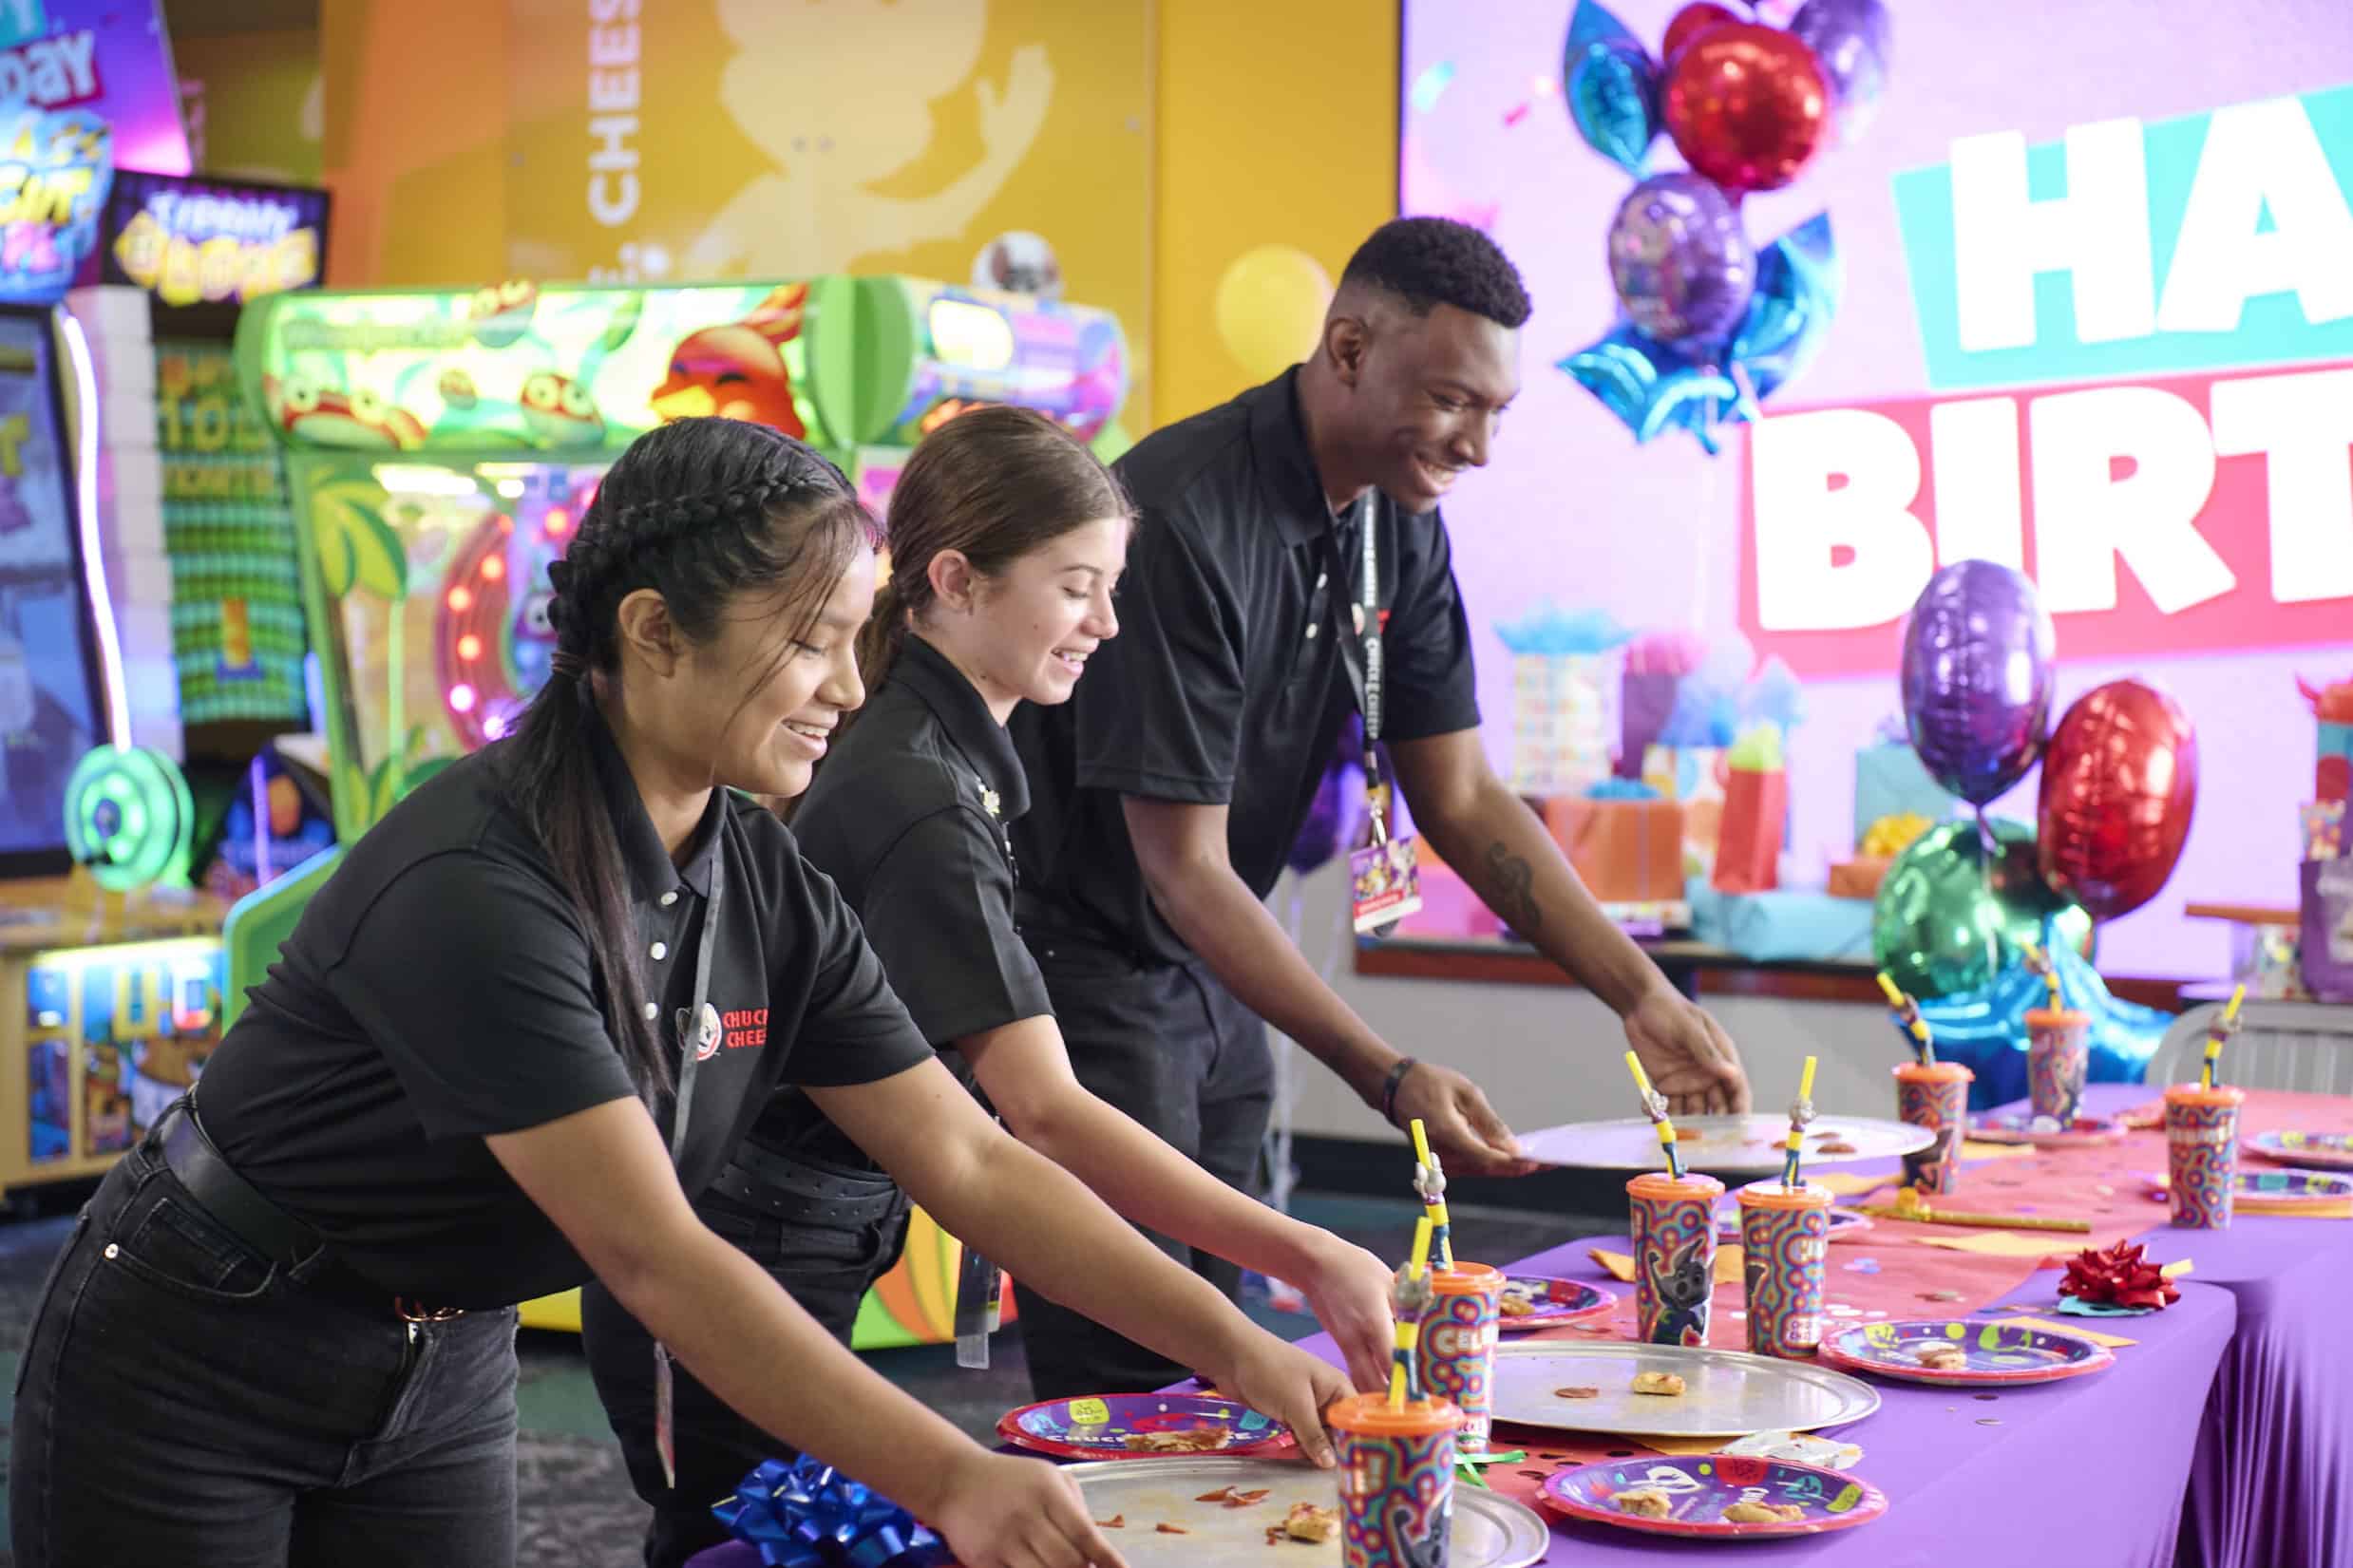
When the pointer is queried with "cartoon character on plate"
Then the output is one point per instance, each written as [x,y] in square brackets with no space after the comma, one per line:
[558,411]
[324,416]
[738,369]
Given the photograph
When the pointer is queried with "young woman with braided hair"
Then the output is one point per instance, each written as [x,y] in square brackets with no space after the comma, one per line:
[532,1010]
[1007,537]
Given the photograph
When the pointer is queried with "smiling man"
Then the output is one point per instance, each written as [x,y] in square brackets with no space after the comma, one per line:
[1167,793]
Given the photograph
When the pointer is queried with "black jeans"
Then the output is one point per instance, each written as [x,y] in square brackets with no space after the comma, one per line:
[827,1270]
[1179,1052]
[182,1401]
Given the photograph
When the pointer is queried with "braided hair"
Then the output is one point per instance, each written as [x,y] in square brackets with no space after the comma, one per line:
[702,511]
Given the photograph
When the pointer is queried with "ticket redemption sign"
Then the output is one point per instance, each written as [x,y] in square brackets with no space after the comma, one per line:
[213,241]
[55,170]
[111,1036]
[2139,342]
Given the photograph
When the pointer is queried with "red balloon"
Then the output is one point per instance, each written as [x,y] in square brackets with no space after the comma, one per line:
[2119,780]
[1746,106]
[1690,23]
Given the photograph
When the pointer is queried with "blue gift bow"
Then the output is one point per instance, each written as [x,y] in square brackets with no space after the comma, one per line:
[806,1515]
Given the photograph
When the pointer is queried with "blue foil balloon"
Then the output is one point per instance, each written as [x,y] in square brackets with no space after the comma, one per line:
[1611,87]
[1651,386]
[1985,1030]
[1798,284]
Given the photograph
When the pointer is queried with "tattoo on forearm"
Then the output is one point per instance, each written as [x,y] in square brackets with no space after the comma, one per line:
[1514,892]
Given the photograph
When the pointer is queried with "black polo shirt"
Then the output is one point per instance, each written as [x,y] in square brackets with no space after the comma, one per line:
[909,818]
[1227,684]
[440,988]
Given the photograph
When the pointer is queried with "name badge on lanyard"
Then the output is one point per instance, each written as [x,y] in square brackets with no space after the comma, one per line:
[1385,875]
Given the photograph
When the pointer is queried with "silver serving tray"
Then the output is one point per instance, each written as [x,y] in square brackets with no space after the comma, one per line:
[1491,1530]
[1734,1145]
[1726,1394]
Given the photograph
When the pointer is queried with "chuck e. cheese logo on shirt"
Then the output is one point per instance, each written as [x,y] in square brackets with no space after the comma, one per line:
[744,1029]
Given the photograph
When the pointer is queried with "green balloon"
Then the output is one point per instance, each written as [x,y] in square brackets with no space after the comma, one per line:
[1945,922]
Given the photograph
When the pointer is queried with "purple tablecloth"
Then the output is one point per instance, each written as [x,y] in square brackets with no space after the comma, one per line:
[2272,1481]
[2226,1398]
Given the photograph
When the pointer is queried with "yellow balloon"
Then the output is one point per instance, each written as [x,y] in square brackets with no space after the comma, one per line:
[1270,305]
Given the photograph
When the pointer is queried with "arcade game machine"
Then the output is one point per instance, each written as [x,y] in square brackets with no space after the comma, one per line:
[108,1005]
[440,449]
[200,250]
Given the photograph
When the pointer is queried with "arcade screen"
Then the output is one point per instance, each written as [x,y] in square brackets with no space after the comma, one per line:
[49,710]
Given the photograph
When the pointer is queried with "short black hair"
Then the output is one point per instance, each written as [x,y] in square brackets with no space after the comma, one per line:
[1428,261]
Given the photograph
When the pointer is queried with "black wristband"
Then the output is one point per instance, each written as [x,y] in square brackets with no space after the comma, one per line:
[1391,1085]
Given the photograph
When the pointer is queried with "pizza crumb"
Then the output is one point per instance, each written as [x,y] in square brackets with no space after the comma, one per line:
[1576,1394]
[1117,1522]
[1658,1383]
[1167,1529]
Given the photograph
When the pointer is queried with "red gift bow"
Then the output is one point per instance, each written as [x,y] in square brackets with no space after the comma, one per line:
[2119,1275]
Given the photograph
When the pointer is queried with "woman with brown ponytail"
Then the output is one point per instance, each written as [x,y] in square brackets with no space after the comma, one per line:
[532,1012]
[1006,542]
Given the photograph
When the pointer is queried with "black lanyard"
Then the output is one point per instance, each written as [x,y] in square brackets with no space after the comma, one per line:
[1364,661]
[689,1018]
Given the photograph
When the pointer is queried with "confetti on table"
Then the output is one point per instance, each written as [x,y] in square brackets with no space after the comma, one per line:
[1863,1265]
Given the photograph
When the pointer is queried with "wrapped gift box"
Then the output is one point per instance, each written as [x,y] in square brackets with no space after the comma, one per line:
[1857,879]
[1625,851]
[1889,781]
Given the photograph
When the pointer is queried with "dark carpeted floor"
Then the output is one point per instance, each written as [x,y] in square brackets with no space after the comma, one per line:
[577,1508]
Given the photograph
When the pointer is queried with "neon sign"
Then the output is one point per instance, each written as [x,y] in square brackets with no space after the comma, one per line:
[55,170]
[191,242]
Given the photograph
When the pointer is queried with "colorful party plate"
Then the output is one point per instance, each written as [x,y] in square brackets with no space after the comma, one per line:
[2276,1191]
[2327,1150]
[1106,1426]
[1551,1302]
[1700,1487]
[2020,1126]
[1996,1352]
[1845,1223]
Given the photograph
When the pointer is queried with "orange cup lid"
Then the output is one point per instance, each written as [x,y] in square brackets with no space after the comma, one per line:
[1371,1415]
[2197,1094]
[1466,1278]
[1940,1072]
[1660,1185]
[1773,1195]
[2045,1018]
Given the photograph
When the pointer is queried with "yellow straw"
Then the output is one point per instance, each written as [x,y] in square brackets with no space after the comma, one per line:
[1797,1128]
[1925,1043]
[2210,1070]
[1436,1207]
[1667,1127]
[1408,1328]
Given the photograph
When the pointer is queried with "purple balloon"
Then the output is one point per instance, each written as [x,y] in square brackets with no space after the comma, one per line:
[1682,266]
[1978,678]
[1853,41]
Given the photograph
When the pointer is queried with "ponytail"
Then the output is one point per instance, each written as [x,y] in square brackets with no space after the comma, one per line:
[563,804]
[879,642]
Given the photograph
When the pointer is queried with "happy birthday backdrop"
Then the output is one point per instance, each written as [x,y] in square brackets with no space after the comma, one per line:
[2188,517]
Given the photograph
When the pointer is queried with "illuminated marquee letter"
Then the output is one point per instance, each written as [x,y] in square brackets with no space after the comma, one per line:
[2085,518]
[2098,231]
[2302,424]
[2260,156]
[1803,519]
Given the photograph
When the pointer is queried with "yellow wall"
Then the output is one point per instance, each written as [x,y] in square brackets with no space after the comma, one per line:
[1277,124]
[262,104]
[1170,137]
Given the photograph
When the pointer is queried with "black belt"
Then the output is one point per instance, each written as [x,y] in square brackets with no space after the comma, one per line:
[266,1230]
[793,1189]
